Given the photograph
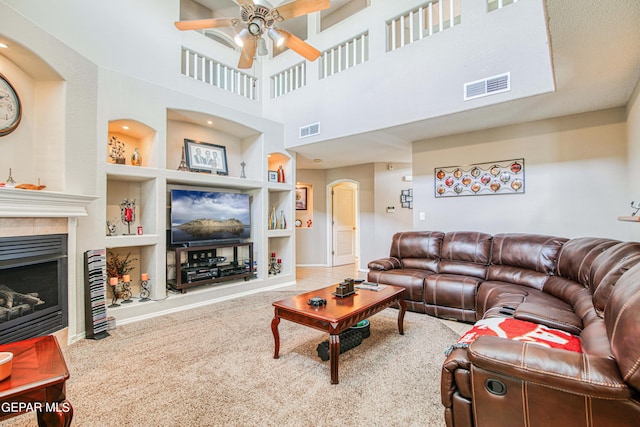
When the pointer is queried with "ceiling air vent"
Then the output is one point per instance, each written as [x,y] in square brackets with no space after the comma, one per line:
[489,86]
[309,130]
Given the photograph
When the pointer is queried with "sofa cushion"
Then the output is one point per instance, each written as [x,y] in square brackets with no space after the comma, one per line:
[608,267]
[497,299]
[465,252]
[576,258]
[417,245]
[450,290]
[622,320]
[575,294]
[527,251]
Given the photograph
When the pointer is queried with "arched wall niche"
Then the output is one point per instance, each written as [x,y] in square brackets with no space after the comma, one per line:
[35,150]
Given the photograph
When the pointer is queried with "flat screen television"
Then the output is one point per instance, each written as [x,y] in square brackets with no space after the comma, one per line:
[201,217]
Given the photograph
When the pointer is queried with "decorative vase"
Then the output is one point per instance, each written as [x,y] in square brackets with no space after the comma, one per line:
[272,218]
[136,158]
[283,221]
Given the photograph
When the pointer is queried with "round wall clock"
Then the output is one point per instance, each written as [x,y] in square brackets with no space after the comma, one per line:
[10,108]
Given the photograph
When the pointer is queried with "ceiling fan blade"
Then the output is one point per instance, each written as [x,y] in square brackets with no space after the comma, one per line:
[245,2]
[249,46]
[300,7]
[199,24]
[299,46]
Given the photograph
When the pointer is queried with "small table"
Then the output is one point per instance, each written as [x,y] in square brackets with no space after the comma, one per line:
[338,315]
[37,382]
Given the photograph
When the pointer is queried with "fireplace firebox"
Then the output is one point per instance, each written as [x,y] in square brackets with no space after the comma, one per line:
[33,286]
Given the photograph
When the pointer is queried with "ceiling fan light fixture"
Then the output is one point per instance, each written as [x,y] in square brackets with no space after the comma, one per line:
[255,27]
[239,38]
[278,39]
[262,47]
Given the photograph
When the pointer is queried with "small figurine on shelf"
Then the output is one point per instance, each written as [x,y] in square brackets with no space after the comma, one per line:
[183,162]
[116,152]
[10,182]
[128,213]
[275,264]
[242,174]
[111,228]
[113,282]
[280,174]
[136,158]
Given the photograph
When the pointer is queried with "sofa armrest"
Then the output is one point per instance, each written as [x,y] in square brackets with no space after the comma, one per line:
[456,365]
[388,263]
[573,372]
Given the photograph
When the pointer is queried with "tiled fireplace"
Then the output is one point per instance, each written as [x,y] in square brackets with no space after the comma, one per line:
[38,280]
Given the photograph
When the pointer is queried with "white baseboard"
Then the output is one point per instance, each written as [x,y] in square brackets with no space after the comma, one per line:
[203,303]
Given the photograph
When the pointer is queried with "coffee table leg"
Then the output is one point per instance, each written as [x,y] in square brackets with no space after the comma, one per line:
[276,336]
[403,309]
[334,353]
[62,417]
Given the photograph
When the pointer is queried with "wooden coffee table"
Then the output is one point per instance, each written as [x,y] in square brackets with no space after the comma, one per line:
[338,315]
[37,382]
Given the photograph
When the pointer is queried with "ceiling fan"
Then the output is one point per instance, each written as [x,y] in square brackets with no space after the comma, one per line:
[261,18]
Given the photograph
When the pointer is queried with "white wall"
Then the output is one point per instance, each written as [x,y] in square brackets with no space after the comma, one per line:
[422,80]
[576,178]
[633,136]
[378,188]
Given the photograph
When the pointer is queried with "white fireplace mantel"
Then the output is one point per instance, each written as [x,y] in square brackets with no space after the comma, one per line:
[15,202]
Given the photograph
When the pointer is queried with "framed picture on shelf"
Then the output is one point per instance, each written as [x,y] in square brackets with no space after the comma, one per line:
[273,176]
[301,198]
[205,157]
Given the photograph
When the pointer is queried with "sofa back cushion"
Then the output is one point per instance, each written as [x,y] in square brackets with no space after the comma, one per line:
[417,249]
[576,257]
[524,259]
[622,319]
[608,267]
[465,252]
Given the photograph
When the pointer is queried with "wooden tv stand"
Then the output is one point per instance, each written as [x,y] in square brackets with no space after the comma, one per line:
[203,267]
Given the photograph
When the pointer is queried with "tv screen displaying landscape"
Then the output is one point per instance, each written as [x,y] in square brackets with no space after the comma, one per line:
[200,216]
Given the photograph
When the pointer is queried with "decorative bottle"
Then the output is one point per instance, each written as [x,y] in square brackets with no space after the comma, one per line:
[136,158]
[283,221]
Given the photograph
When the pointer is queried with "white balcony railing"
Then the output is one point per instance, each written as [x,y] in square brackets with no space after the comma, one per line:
[219,75]
[289,80]
[344,56]
[498,4]
[423,21]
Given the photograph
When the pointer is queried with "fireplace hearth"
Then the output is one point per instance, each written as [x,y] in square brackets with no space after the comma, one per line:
[33,286]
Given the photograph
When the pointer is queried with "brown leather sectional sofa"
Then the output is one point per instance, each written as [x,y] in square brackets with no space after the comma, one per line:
[589,287]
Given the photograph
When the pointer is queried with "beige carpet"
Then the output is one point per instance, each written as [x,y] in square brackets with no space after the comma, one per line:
[214,366]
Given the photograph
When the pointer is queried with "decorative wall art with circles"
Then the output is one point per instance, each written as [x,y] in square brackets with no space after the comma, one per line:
[500,177]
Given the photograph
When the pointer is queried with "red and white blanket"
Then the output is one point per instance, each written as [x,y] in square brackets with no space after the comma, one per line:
[519,330]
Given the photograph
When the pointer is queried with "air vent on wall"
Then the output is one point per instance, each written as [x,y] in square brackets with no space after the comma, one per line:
[309,130]
[488,86]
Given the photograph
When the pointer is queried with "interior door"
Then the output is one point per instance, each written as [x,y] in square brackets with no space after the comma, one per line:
[344,224]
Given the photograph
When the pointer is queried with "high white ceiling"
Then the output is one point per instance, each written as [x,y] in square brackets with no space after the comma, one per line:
[595,46]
